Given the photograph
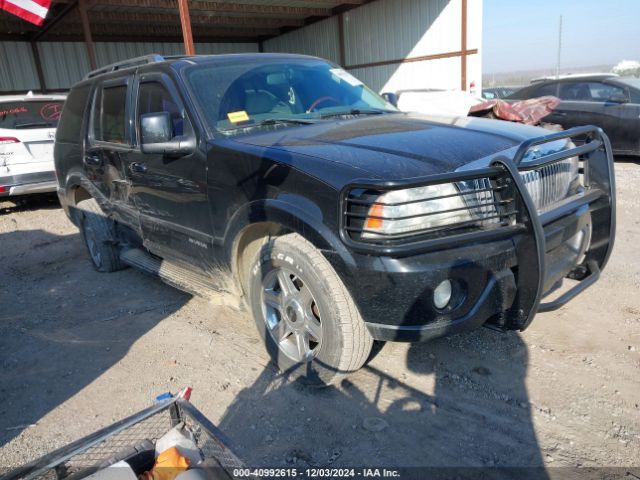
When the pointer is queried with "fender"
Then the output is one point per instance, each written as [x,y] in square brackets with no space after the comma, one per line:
[290,216]
[77,178]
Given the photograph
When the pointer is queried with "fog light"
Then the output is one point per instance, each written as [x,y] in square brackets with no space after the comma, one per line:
[442,294]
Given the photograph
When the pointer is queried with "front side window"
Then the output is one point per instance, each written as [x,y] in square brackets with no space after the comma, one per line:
[601,92]
[632,85]
[109,114]
[154,98]
[548,89]
[235,95]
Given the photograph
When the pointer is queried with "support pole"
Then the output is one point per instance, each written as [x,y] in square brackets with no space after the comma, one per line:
[38,62]
[185,20]
[559,48]
[86,30]
[463,48]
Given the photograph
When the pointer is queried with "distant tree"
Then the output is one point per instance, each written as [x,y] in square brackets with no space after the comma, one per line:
[627,68]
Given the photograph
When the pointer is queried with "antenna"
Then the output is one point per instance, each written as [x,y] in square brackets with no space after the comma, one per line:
[559,47]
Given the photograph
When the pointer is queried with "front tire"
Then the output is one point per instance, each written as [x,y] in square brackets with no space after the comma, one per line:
[305,315]
[99,237]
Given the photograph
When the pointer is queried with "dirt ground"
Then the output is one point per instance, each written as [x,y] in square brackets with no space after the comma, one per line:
[80,349]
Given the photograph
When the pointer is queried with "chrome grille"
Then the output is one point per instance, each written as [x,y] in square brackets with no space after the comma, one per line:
[550,184]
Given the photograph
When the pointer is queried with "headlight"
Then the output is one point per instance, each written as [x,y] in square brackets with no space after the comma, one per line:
[423,209]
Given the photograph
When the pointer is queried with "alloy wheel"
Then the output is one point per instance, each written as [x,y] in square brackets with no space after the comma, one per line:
[291,314]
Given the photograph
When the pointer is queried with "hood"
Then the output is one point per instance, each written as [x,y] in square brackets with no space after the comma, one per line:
[397,146]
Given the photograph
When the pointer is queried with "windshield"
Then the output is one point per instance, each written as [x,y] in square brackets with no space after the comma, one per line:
[35,114]
[237,96]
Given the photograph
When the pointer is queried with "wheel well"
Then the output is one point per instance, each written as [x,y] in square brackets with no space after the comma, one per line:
[80,194]
[248,242]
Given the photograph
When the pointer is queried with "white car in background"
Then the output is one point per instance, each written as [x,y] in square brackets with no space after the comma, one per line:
[436,101]
[27,132]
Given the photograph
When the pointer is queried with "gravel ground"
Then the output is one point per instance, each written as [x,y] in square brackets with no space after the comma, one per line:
[80,349]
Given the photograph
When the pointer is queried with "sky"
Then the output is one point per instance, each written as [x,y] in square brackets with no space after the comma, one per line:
[523,34]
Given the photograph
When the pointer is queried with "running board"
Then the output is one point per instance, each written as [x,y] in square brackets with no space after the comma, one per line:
[180,277]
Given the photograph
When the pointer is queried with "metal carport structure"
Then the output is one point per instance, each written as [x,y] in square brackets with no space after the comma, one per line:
[379,40]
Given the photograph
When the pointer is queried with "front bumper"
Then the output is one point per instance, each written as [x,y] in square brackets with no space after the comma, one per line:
[28,183]
[501,279]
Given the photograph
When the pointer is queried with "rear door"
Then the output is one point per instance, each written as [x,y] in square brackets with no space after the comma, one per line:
[109,142]
[170,192]
[623,117]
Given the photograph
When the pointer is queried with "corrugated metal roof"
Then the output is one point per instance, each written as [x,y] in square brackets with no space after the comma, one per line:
[318,39]
[381,31]
[111,52]
[63,63]
[17,67]
[124,20]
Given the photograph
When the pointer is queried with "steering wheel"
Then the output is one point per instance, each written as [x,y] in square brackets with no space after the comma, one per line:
[320,100]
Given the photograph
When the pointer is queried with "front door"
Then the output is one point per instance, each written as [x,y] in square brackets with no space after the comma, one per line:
[170,193]
[587,103]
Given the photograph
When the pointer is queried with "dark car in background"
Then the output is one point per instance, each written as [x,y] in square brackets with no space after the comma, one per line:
[285,180]
[606,100]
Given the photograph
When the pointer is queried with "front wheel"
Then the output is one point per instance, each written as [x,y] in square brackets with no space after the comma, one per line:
[310,325]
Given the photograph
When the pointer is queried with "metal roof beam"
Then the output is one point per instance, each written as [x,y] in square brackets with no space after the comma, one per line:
[160,32]
[54,21]
[222,8]
[120,38]
[127,18]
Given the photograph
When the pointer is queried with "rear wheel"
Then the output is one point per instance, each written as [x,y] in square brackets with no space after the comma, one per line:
[99,237]
[310,325]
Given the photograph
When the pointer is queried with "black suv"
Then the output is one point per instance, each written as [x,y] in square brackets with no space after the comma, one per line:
[284,180]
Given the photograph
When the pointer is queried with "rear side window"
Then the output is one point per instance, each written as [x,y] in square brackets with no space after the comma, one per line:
[70,128]
[109,122]
[30,114]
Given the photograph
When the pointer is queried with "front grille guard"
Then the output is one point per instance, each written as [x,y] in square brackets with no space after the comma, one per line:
[599,194]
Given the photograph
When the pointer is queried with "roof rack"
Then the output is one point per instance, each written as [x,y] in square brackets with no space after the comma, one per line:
[132,62]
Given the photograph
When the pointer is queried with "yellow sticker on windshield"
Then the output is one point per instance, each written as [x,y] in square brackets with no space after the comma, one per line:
[238,117]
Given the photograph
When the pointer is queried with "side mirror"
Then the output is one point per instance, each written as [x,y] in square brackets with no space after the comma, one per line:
[618,98]
[392,98]
[156,136]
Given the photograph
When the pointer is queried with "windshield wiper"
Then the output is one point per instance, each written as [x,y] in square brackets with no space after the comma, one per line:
[274,121]
[33,125]
[356,111]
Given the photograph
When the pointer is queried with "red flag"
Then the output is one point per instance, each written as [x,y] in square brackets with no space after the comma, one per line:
[33,11]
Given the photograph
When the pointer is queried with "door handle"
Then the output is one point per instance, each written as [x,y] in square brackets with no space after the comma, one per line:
[138,167]
[559,114]
[93,159]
